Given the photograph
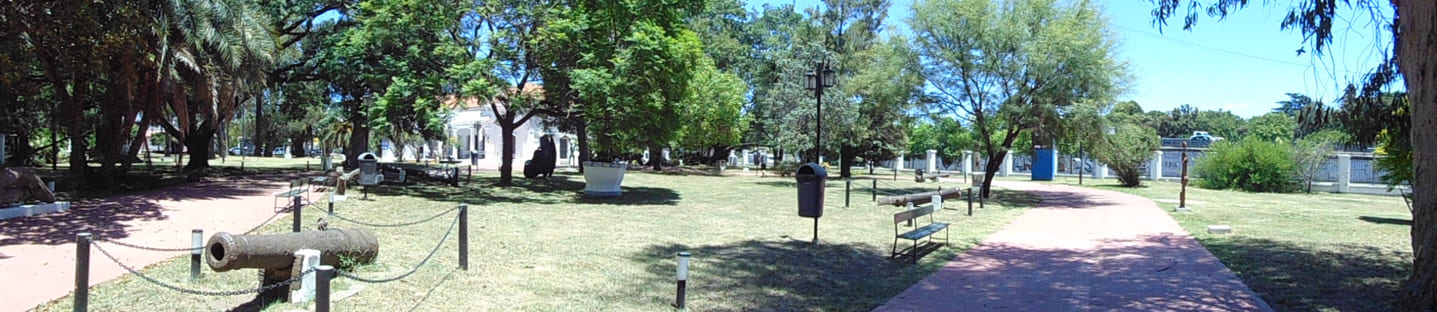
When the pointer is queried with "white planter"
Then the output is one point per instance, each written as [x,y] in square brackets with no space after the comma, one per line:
[602,179]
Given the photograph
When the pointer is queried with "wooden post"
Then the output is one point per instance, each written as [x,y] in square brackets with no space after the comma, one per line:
[82,272]
[464,236]
[297,213]
[1183,195]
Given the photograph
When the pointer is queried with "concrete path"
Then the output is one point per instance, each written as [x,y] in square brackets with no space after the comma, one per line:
[1083,250]
[37,254]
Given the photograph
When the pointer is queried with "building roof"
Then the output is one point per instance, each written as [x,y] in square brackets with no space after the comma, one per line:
[530,89]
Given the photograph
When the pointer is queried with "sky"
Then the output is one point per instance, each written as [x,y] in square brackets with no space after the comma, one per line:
[1244,63]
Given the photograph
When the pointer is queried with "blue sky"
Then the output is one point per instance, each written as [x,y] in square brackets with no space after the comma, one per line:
[1243,64]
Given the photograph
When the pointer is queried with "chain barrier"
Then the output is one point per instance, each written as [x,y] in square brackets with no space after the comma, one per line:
[430,218]
[350,275]
[260,289]
[147,248]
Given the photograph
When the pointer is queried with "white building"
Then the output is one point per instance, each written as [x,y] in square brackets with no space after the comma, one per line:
[475,132]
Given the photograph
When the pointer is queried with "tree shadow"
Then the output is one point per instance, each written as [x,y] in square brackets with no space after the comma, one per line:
[1296,277]
[780,275]
[559,189]
[1383,220]
[106,218]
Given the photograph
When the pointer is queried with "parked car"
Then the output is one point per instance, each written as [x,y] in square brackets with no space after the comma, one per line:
[279,151]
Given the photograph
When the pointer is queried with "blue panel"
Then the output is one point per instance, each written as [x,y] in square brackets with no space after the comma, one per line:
[1045,164]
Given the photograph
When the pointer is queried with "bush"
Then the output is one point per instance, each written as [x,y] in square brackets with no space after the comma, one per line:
[1249,165]
[1126,150]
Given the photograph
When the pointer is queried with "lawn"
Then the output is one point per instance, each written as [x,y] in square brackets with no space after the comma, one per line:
[540,246]
[1301,252]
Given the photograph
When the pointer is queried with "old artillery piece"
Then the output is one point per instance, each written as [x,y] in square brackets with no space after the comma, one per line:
[275,255]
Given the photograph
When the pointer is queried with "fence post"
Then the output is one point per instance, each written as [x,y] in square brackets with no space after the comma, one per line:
[847,191]
[298,211]
[82,272]
[875,190]
[464,236]
[971,192]
[331,205]
[197,236]
[321,287]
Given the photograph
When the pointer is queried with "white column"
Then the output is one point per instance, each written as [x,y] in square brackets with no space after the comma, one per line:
[898,162]
[967,162]
[745,160]
[1102,171]
[1007,164]
[1344,173]
[932,161]
[1155,169]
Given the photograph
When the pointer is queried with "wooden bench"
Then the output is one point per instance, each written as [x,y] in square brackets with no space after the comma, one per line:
[296,188]
[917,233]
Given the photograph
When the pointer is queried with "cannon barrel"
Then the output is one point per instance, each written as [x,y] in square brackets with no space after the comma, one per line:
[228,251]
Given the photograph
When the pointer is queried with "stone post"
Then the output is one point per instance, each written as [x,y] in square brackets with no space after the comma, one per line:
[1007,164]
[1102,171]
[898,162]
[932,162]
[967,163]
[744,162]
[1344,173]
[1155,169]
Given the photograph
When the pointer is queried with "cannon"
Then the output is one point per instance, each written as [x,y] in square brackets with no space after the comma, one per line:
[274,254]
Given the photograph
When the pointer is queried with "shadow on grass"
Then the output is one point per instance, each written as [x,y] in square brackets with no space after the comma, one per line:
[783,275]
[1382,220]
[559,189]
[106,218]
[1294,277]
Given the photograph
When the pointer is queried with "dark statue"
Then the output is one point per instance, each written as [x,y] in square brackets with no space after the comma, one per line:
[544,159]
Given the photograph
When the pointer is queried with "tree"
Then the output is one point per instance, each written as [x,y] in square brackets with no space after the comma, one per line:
[1295,103]
[1006,67]
[1126,150]
[712,115]
[1274,127]
[1310,153]
[888,86]
[1411,27]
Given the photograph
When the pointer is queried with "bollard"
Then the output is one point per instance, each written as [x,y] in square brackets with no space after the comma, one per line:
[82,272]
[321,287]
[847,192]
[306,165]
[297,214]
[874,189]
[971,193]
[198,236]
[464,237]
[683,277]
[331,205]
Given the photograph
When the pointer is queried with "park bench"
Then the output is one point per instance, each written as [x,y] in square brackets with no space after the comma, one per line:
[296,188]
[917,234]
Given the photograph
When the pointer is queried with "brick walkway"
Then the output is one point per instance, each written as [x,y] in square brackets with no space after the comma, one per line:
[1083,250]
[37,254]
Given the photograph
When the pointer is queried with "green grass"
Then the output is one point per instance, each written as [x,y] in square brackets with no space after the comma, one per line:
[1301,252]
[540,246]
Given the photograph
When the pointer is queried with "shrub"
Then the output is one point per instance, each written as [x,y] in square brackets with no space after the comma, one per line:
[1249,165]
[1126,150]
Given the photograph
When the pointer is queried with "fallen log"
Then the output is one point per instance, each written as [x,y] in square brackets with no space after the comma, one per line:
[920,198]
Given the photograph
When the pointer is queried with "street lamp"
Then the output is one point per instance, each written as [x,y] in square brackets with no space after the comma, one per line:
[821,78]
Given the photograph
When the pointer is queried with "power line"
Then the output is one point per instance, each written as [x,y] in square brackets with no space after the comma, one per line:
[1221,50]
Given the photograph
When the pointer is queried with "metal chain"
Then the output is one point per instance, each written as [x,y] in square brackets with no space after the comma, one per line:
[188,249]
[430,218]
[350,275]
[262,288]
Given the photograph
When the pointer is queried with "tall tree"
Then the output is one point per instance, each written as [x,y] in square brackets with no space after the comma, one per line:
[1005,67]
[1411,27]
[1295,103]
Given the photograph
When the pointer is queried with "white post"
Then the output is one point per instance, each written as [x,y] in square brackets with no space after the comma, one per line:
[1007,164]
[968,162]
[932,161]
[937,202]
[1155,169]
[1344,173]
[898,162]
[1102,171]
[744,161]
[308,260]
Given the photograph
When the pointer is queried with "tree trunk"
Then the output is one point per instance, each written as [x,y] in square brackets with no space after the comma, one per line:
[260,139]
[845,161]
[198,144]
[656,158]
[583,136]
[1415,46]
[995,160]
[506,159]
[358,139]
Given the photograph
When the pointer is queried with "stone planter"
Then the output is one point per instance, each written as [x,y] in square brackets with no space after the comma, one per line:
[602,179]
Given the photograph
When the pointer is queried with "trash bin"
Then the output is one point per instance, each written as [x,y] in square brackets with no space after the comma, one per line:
[812,179]
[326,163]
[368,169]
[917,175]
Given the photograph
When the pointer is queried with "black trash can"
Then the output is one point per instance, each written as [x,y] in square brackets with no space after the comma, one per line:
[368,169]
[812,179]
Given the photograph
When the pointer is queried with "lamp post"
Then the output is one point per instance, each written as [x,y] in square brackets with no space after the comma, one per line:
[821,78]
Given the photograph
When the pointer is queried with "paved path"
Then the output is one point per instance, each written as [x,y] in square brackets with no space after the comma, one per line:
[1083,250]
[37,254]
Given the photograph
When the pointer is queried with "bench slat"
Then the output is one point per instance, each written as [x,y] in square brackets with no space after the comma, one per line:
[924,231]
[911,214]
